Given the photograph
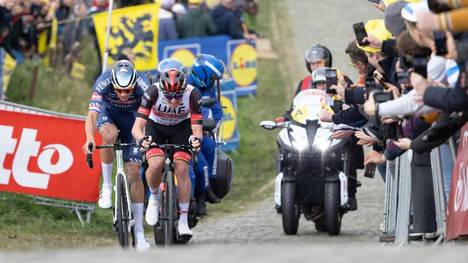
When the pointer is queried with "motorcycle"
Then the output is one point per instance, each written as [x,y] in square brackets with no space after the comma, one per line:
[312,167]
[222,172]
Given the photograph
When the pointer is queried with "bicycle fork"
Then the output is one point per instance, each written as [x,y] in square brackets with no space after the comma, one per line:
[121,171]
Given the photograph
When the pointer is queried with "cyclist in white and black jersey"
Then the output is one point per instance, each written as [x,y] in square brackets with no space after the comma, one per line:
[169,113]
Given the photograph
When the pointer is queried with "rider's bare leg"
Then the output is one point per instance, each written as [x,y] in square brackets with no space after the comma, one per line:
[136,184]
[154,172]
[153,177]
[109,135]
[184,185]
[137,194]
[183,181]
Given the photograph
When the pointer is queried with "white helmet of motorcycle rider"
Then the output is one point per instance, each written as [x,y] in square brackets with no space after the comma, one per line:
[319,78]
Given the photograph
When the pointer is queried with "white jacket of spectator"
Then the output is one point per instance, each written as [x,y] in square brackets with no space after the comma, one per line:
[439,69]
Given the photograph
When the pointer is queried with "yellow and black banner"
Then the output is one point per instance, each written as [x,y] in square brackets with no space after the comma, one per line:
[134,33]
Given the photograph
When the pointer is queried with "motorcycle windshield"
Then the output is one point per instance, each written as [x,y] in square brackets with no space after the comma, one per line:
[307,105]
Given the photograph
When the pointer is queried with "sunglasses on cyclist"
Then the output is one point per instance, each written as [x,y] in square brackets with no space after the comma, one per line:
[121,91]
[171,96]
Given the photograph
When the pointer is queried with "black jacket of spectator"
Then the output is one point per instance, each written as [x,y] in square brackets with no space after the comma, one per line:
[227,22]
[454,99]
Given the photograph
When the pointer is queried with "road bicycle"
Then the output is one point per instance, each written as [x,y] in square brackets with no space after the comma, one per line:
[165,231]
[123,218]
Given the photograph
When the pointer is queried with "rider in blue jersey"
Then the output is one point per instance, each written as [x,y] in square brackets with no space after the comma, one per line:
[113,106]
[205,75]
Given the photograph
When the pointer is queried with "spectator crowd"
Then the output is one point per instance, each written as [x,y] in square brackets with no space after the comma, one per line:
[27,26]
[411,94]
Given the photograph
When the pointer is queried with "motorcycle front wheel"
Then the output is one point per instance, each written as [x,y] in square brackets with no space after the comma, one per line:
[289,208]
[332,213]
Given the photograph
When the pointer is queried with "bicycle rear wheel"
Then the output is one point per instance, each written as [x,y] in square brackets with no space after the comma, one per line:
[122,212]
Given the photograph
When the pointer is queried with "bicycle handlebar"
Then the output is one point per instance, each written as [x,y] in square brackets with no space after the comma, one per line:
[115,145]
[89,156]
[176,147]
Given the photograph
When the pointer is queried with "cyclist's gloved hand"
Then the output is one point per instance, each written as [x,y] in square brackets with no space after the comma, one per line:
[145,142]
[195,142]
[86,146]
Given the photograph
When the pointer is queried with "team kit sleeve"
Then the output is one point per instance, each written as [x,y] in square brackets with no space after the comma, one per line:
[142,81]
[196,117]
[149,98]
[99,89]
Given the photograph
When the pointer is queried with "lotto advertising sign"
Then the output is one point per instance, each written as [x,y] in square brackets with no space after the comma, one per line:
[41,155]
[457,217]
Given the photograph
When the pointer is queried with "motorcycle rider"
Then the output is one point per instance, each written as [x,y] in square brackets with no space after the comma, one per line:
[316,56]
[206,73]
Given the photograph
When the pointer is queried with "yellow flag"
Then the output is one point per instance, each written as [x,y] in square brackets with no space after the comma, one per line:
[53,34]
[42,42]
[134,32]
[9,65]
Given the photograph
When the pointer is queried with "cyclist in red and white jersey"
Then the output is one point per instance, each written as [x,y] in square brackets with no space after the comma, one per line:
[169,113]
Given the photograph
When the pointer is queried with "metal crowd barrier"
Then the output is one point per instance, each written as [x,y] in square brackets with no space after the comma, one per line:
[77,207]
[397,205]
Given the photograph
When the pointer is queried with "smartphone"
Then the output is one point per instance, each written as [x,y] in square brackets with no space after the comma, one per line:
[360,33]
[370,86]
[331,79]
[370,170]
[381,96]
[420,65]
[374,1]
[380,78]
[440,40]
[403,78]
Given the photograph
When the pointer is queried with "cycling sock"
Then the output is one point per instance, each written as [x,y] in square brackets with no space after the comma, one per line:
[138,212]
[183,212]
[154,193]
[107,175]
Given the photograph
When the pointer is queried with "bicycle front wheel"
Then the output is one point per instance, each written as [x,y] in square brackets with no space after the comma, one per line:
[123,212]
[169,226]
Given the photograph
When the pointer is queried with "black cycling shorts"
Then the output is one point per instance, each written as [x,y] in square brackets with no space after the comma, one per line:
[175,134]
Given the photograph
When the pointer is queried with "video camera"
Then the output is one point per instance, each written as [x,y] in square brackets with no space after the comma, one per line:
[331,79]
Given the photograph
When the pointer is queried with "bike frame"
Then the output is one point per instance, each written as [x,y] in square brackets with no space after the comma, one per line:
[121,171]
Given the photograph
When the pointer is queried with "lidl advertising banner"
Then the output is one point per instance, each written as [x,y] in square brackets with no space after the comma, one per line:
[229,131]
[41,155]
[242,57]
[239,56]
[134,32]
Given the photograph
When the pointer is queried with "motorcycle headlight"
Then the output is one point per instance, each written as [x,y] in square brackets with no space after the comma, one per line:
[322,144]
[300,145]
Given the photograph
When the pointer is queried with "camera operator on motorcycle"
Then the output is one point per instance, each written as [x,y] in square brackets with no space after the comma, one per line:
[316,56]
[113,105]
[206,73]
[169,113]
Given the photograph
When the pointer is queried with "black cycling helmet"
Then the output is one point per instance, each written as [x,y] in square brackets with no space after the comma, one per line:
[124,75]
[317,51]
